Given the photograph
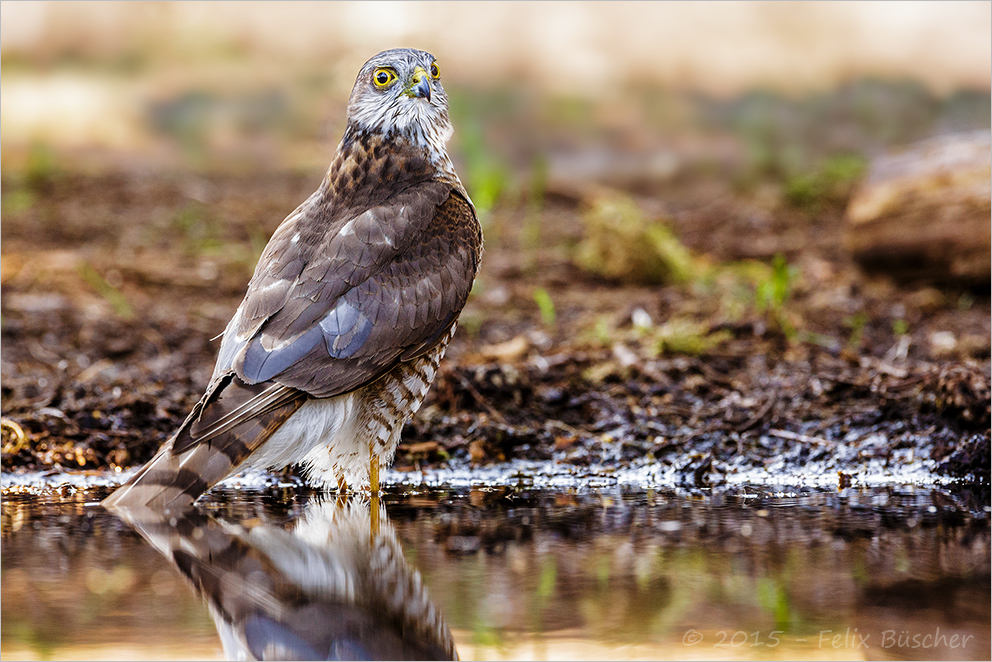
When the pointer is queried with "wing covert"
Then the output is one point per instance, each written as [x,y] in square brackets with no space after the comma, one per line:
[384,287]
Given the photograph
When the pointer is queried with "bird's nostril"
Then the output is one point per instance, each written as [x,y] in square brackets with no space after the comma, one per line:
[422,88]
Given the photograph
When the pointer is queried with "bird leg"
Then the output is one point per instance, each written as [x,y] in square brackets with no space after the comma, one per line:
[374,515]
[342,491]
[374,489]
[373,470]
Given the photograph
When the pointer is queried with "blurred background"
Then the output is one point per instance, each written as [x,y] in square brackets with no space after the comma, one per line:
[817,169]
[668,175]
[626,94]
[267,82]
[793,166]
[157,143]
[703,216]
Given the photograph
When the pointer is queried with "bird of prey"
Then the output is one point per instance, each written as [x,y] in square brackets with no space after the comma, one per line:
[330,587]
[350,308]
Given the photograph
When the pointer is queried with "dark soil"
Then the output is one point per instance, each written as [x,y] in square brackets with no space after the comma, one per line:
[113,286]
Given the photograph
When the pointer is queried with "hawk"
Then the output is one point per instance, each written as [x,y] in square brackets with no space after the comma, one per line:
[330,587]
[350,308]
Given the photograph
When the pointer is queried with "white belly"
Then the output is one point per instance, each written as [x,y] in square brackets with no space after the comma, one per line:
[333,437]
[323,435]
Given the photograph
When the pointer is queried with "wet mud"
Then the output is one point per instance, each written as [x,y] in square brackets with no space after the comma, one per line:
[107,324]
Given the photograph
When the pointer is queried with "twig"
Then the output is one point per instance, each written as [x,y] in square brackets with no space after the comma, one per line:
[760,415]
[793,436]
[882,367]
[565,427]
[479,399]
[911,381]
[19,439]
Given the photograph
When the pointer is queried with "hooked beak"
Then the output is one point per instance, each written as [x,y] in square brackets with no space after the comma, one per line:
[419,85]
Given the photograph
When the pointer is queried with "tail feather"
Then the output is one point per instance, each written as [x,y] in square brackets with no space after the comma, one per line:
[229,424]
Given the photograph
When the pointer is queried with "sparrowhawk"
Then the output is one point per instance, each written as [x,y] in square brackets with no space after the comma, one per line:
[329,587]
[350,308]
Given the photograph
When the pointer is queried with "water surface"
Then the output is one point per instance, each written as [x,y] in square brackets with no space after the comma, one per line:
[499,572]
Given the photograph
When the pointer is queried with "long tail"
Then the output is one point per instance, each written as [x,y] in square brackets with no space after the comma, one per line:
[228,424]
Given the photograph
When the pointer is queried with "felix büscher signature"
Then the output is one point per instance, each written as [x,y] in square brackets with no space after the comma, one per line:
[846,638]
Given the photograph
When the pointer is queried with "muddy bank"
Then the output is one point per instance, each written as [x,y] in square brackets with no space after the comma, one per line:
[106,343]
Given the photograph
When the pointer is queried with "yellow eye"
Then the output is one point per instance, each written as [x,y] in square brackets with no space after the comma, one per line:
[435,70]
[383,77]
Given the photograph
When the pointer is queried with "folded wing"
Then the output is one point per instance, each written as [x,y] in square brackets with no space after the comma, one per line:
[333,308]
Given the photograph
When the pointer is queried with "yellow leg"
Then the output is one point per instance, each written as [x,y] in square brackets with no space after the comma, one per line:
[342,491]
[374,489]
[374,515]
[373,470]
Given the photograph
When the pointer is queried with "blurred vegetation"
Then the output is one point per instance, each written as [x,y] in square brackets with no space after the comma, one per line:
[687,337]
[531,231]
[831,182]
[621,244]
[38,172]
[200,231]
[545,305]
[728,293]
[42,166]
[793,161]
[856,323]
[118,302]
[485,170]
[485,176]
[786,136]
[772,294]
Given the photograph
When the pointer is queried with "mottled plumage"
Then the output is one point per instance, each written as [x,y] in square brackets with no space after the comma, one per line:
[350,308]
[331,587]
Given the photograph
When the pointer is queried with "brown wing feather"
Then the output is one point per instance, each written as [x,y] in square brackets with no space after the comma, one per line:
[386,287]
[228,424]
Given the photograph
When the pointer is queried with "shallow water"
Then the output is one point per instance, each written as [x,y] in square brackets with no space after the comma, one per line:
[502,571]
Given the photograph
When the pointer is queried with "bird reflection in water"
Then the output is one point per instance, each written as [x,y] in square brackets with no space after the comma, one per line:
[335,586]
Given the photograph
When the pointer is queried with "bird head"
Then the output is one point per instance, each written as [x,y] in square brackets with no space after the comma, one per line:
[398,92]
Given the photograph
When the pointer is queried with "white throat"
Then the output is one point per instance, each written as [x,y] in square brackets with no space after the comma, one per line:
[423,123]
